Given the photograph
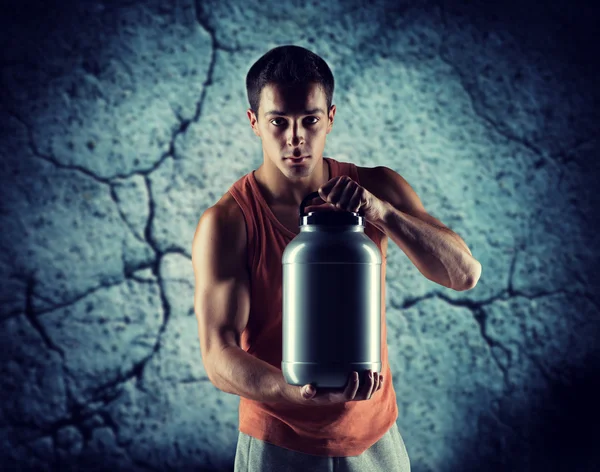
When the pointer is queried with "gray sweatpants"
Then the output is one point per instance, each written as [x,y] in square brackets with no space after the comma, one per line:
[387,454]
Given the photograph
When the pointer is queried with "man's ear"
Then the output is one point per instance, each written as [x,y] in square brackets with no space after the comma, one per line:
[330,118]
[253,121]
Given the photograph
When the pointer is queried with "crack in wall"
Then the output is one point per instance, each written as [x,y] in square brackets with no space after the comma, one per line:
[215,45]
[115,199]
[113,389]
[77,417]
[557,160]
[30,316]
[476,308]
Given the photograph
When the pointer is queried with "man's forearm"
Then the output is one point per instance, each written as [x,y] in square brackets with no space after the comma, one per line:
[435,251]
[239,373]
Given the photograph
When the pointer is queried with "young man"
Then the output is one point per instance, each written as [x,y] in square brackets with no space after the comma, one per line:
[237,261]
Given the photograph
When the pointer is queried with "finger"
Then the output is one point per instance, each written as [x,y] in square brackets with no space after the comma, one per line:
[379,381]
[375,382]
[308,391]
[334,195]
[352,386]
[371,384]
[326,187]
[326,206]
[346,196]
[367,386]
[355,202]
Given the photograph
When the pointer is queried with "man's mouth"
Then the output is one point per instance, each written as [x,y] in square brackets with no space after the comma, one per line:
[296,160]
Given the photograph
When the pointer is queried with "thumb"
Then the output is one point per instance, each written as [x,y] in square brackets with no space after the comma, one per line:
[308,391]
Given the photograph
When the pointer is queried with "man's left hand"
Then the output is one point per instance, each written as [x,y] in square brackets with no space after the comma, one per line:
[344,194]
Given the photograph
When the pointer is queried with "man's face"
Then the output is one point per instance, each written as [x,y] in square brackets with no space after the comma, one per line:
[293,122]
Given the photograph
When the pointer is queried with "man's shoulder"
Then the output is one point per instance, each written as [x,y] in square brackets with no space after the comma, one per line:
[367,176]
[228,215]
[228,209]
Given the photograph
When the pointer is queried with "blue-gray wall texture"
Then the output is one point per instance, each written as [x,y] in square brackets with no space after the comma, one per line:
[122,122]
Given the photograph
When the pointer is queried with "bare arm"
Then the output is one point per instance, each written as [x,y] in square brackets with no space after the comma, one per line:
[222,305]
[240,373]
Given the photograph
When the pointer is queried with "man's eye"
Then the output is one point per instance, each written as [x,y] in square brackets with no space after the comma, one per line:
[310,118]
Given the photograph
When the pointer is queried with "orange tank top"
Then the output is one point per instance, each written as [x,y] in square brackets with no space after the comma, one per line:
[345,429]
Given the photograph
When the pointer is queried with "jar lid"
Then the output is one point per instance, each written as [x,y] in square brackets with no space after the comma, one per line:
[328,217]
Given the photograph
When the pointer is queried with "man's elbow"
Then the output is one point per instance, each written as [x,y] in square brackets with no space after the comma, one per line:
[473,278]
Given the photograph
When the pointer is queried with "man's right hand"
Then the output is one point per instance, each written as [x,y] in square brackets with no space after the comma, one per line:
[354,391]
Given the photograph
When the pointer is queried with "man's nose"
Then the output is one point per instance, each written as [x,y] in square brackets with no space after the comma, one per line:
[296,137]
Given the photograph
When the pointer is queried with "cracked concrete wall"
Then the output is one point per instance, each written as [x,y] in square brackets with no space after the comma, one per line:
[123,121]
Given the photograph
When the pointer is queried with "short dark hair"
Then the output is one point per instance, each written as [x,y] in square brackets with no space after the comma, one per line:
[288,65]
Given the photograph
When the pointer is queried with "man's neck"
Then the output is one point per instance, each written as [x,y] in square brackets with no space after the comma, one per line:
[268,194]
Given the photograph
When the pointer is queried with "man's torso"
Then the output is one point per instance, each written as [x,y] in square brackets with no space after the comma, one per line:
[287,215]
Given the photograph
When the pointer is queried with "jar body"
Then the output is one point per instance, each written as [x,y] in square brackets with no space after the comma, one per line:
[331,306]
